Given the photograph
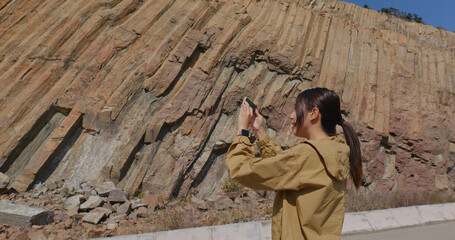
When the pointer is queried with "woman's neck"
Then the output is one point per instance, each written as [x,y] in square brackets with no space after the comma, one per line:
[316,134]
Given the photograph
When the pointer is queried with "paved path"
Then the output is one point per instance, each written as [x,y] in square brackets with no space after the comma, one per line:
[437,231]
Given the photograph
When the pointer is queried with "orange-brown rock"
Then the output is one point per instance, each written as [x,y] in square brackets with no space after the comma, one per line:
[145,93]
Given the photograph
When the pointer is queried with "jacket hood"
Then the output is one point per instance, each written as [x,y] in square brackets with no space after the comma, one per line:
[335,154]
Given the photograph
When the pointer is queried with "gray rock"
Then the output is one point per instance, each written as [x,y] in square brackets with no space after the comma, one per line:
[94,217]
[39,187]
[116,219]
[91,203]
[20,215]
[109,206]
[62,217]
[141,212]
[102,209]
[52,186]
[74,201]
[222,202]
[115,206]
[117,196]
[84,185]
[87,191]
[254,196]
[132,216]
[125,208]
[137,204]
[105,188]
[200,204]
[36,235]
[111,226]
[4,181]
[60,183]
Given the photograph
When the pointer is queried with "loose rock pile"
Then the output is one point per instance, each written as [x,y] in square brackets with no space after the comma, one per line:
[93,209]
[103,202]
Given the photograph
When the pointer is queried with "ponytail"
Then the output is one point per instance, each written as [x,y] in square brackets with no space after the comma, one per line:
[355,155]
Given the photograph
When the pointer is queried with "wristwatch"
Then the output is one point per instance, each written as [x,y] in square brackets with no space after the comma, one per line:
[243,132]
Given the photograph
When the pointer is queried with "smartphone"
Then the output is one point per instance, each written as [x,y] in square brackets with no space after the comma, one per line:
[252,105]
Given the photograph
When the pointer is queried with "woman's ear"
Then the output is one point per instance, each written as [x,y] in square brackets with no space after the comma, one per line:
[314,114]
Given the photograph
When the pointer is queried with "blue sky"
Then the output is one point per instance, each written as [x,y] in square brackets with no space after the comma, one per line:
[437,13]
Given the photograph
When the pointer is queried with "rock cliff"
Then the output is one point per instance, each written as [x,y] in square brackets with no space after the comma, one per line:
[145,92]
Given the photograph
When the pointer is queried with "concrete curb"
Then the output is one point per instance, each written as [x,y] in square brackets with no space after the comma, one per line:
[397,217]
[353,223]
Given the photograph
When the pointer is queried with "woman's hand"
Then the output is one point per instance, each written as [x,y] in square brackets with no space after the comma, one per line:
[257,121]
[245,115]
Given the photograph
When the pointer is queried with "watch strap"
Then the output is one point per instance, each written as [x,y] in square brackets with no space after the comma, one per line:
[243,132]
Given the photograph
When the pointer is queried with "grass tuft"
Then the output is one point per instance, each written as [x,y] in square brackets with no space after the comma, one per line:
[232,186]
[367,201]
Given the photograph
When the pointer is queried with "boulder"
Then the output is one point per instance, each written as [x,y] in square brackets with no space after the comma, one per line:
[150,201]
[107,211]
[103,189]
[20,236]
[111,226]
[132,216]
[108,206]
[74,202]
[141,212]
[117,196]
[52,186]
[137,204]
[222,202]
[36,235]
[91,203]
[20,215]
[125,208]
[62,216]
[68,223]
[153,201]
[116,219]
[200,204]
[94,217]
[72,212]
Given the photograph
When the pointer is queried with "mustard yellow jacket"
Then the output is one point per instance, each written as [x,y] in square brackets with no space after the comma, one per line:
[309,179]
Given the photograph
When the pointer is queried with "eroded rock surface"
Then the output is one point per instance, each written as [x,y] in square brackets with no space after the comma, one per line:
[145,93]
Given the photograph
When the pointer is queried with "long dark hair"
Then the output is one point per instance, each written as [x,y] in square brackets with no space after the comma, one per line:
[328,103]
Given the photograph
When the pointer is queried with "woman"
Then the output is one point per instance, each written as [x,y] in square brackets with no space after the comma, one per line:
[310,177]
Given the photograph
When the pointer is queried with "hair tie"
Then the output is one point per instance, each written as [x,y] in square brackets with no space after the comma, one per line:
[341,122]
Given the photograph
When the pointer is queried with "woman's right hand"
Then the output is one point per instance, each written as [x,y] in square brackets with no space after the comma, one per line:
[258,124]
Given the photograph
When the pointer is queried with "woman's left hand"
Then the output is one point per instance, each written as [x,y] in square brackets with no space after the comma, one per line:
[245,115]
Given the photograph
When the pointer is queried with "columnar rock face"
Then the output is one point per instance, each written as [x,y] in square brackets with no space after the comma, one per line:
[145,92]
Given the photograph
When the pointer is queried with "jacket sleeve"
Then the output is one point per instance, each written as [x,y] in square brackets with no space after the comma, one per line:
[292,169]
[268,147]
